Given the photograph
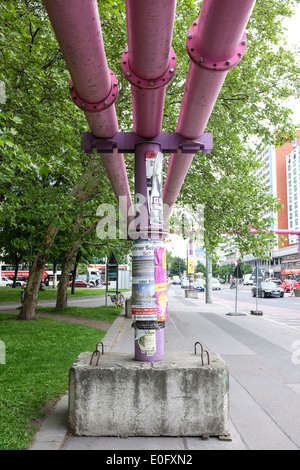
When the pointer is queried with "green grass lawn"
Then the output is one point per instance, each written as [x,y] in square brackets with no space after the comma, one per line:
[7,294]
[35,367]
[107,313]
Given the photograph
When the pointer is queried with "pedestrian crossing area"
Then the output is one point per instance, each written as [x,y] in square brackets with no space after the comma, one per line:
[292,322]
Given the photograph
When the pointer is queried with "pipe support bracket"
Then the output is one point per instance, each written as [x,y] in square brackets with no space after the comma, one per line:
[148,83]
[199,59]
[101,105]
[126,142]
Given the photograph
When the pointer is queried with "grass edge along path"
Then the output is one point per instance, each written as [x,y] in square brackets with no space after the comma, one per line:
[38,356]
[7,294]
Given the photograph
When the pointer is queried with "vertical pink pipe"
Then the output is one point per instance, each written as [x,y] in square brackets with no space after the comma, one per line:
[149,29]
[77,28]
[217,37]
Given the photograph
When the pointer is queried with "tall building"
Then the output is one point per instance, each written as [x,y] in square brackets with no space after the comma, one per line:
[293,191]
[281,171]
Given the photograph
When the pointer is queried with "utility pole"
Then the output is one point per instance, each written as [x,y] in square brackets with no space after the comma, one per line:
[208,287]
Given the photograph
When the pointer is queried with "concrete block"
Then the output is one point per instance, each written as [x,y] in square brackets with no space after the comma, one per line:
[191,293]
[124,397]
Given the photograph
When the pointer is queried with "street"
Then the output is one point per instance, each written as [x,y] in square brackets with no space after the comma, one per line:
[262,354]
[284,310]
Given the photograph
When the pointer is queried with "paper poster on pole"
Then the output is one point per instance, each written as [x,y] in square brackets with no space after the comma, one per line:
[147,343]
[143,284]
[154,161]
[160,277]
[191,266]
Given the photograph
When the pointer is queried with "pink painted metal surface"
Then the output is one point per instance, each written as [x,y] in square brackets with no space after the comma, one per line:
[149,61]
[77,28]
[221,25]
[219,35]
[279,231]
[149,30]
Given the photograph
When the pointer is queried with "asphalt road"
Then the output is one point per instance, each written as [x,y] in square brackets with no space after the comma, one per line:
[284,310]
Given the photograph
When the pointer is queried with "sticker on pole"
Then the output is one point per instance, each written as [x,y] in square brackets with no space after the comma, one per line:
[160,276]
[154,161]
[143,284]
[147,343]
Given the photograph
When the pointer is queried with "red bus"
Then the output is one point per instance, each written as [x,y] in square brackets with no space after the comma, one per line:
[9,272]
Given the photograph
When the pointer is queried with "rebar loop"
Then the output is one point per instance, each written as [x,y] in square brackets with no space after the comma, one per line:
[202,352]
[96,353]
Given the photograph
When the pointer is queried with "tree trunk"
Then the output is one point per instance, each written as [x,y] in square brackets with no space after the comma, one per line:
[62,299]
[73,252]
[74,272]
[28,309]
[17,261]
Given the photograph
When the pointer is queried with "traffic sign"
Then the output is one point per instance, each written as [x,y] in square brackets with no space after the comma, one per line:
[238,273]
[257,275]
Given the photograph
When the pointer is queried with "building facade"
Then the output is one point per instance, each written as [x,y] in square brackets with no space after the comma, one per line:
[281,172]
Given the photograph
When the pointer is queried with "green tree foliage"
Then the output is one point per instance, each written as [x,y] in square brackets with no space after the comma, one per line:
[48,184]
[249,110]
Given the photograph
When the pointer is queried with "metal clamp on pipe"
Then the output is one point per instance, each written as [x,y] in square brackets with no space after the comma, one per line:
[148,83]
[101,105]
[198,58]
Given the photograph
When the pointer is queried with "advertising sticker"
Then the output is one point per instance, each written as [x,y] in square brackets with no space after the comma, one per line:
[160,277]
[143,286]
[154,161]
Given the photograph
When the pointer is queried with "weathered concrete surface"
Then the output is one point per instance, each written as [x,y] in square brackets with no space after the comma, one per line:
[124,397]
[191,293]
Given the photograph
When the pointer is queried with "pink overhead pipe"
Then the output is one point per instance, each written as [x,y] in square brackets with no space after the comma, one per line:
[93,85]
[279,231]
[215,42]
[149,61]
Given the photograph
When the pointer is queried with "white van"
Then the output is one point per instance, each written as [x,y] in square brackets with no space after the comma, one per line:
[247,281]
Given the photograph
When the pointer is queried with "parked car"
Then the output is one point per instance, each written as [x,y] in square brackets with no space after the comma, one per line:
[215,284]
[199,285]
[278,282]
[267,289]
[21,282]
[5,282]
[81,283]
[185,284]
[286,285]
[176,280]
